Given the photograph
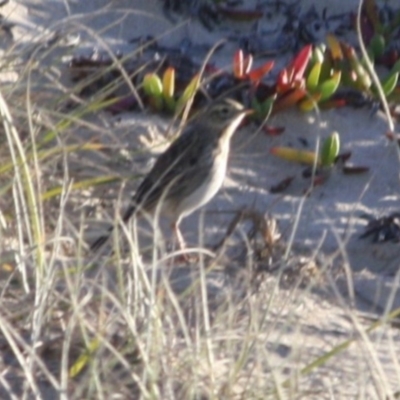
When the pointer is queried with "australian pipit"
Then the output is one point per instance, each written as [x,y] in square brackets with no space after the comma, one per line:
[191,171]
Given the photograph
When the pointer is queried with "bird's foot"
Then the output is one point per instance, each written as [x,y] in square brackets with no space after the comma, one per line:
[186,258]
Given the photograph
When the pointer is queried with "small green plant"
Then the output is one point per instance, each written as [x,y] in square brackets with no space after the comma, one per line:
[160,94]
[329,151]
[328,158]
[308,80]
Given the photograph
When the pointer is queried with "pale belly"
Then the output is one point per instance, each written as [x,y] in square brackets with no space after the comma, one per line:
[201,195]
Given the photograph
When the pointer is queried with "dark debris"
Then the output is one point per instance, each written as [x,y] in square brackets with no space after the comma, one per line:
[383,229]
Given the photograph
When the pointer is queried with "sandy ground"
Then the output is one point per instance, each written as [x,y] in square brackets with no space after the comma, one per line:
[329,217]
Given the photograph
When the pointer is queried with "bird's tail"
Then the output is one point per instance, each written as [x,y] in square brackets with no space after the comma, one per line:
[102,239]
[129,212]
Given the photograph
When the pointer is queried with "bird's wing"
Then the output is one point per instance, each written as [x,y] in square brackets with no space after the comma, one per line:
[176,171]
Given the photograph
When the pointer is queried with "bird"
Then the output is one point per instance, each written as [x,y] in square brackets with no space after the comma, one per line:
[191,171]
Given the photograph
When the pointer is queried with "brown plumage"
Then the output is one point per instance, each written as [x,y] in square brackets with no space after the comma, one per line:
[191,171]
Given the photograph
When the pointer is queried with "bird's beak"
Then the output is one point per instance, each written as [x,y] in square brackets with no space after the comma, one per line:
[248,112]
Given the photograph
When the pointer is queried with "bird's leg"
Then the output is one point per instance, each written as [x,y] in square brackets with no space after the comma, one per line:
[178,235]
[186,257]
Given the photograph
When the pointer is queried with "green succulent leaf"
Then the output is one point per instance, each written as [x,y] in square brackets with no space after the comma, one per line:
[377,45]
[256,106]
[329,87]
[318,54]
[152,85]
[330,149]
[396,67]
[266,106]
[189,92]
[313,76]
[389,84]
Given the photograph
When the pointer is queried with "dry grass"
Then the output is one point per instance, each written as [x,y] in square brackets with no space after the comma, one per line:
[134,324]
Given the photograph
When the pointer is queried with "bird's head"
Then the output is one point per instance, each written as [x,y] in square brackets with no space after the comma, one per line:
[225,116]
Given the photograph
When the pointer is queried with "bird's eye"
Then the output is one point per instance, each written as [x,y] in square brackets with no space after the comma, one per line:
[224,112]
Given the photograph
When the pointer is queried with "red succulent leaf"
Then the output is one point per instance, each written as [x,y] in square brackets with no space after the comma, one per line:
[299,64]
[282,81]
[258,73]
[273,130]
[293,76]
[238,63]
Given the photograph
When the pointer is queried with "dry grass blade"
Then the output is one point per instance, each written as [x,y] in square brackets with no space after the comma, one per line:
[265,317]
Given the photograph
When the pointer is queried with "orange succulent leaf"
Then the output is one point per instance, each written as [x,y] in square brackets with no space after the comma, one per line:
[289,99]
[295,155]
[357,74]
[238,63]
[284,85]
[168,83]
[309,102]
[258,73]
[349,53]
[334,47]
